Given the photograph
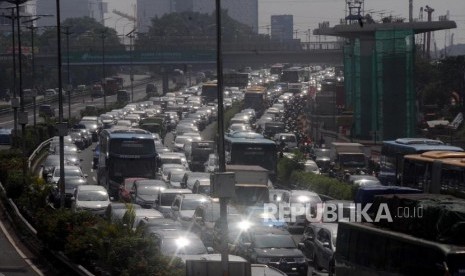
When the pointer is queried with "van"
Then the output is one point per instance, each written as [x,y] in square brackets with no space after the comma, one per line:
[151,89]
[122,96]
[46,110]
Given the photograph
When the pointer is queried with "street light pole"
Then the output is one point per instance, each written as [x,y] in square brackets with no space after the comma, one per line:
[221,154]
[103,71]
[33,72]
[62,128]
[14,102]
[22,118]
[67,33]
[131,75]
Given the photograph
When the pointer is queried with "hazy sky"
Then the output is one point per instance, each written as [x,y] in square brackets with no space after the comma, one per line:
[308,13]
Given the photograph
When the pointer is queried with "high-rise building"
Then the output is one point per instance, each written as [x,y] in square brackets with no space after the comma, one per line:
[70,9]
[148,9]
[243,11]
[282,27]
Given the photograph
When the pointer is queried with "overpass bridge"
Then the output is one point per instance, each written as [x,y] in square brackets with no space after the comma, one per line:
[231,59]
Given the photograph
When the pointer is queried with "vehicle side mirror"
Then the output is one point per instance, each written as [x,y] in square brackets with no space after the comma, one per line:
[199,219]
[326,245]
[86,175]
[300,245]
[49,175]
[175,208]
[112,198]
[73,198]
[210,250]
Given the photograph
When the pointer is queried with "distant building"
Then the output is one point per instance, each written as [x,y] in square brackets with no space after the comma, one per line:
[5,23]
[243,11]
[70,9]
[282,27]
[148,9]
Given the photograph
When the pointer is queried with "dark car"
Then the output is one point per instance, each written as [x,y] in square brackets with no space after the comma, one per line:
[95,156]
[122,96]
[273,247]
[71,183]
[151,89]
[5,136]
[321,156]
[145,191]
[46,110]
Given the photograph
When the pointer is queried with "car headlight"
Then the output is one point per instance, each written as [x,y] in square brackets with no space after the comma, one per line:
[263,260]
[300,260]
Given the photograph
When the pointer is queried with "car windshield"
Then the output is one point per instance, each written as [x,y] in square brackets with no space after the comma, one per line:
[92,196]
[303,198]
[191,204]
[322,153]
[149,190]
[176,177]
[274,241]
[68,173]
[166,199]
[204,189]
[182,246]
[288,138]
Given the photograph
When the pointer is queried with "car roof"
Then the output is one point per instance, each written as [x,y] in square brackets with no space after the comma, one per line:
[91,188]
[173,191]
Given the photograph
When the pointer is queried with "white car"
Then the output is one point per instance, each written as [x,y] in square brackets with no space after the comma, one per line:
[70,171]
[167,168]
[92,198]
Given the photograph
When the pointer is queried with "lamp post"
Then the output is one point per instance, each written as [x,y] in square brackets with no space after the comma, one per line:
[221,154]
[131,76]
[14,102]
[103,70]
[67,33]
[34,95]
[61,127]
[22,116]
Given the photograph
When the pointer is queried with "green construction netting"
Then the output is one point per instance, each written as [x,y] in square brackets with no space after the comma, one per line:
[379,84]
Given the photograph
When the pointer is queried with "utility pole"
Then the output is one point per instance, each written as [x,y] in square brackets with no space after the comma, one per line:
[410,11]
[13,100]
[61,127]
[22,116]
[131,75]
[67,33]
[34,95]
[103,71]
[429,10]
[221,154]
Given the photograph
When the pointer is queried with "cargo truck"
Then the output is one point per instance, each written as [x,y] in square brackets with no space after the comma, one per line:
[348,157]
[252,184]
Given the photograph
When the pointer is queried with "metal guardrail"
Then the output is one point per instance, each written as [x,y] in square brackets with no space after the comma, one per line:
[15,216]
[37,153]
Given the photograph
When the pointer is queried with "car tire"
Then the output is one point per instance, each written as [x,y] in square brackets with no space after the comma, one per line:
[316,265]
[331,269]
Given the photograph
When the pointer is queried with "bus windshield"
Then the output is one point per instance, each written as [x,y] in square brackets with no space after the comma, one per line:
[141,167]
[132,147]
[260,155]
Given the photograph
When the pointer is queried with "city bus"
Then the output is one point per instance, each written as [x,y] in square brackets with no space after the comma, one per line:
[252,151]
[435,172]
[125,153]
[210,91]
[393,151]
[364,249]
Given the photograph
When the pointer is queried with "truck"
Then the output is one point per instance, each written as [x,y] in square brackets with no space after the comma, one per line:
[252,184]
[347,157]
[240,80]
[199,153]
